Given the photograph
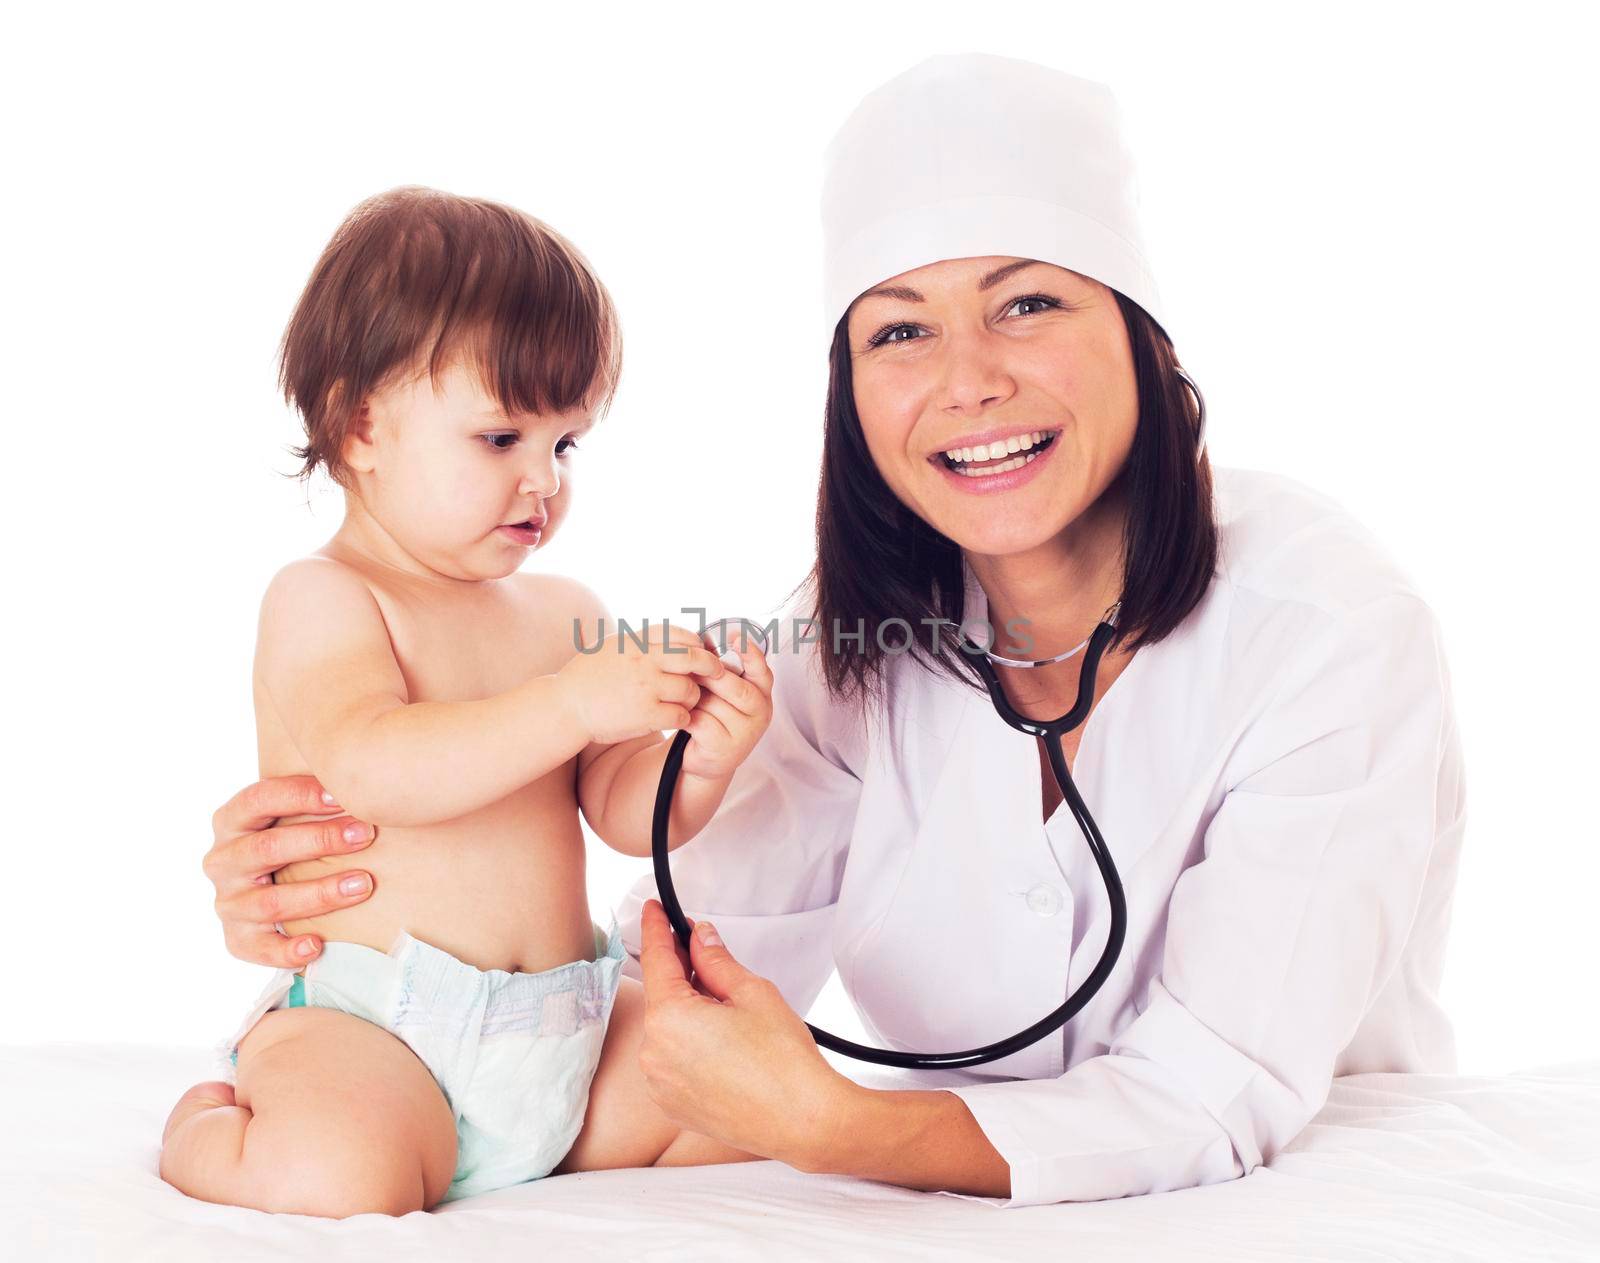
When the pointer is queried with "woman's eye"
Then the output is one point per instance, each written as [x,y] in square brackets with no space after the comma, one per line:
[890,333]
[886,335]
[500,442]
[1039,299]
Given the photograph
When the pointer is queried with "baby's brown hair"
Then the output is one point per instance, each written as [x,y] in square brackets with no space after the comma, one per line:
[414,278]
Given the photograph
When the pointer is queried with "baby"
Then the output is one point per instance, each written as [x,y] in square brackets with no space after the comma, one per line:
[467,1027]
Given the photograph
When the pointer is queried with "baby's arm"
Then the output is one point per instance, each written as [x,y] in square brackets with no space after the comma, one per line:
[617,785]
[617,788]
[612,777]
[324,657]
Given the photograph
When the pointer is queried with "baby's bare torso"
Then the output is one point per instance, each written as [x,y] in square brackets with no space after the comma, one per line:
[501,887]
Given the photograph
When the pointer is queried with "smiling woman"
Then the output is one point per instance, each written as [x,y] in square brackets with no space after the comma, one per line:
[1271,749]
[1058,366]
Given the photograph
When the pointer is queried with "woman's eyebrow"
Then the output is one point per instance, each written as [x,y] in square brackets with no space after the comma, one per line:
[988,281]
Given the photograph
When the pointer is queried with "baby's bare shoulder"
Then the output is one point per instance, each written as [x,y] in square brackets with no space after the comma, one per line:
[317,568]
[316,584]
[316,577]
[563,599]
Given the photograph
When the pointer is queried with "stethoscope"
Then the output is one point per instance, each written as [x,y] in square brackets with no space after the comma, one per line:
[1050,732]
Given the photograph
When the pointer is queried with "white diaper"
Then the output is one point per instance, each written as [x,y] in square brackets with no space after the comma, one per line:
[513,1053]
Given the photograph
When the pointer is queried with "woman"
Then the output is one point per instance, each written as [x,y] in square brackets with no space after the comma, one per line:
[1271,755]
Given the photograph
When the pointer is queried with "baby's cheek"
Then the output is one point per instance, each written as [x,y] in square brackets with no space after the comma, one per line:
[556,509]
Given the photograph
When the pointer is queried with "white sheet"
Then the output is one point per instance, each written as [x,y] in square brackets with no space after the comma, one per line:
[1406,1167]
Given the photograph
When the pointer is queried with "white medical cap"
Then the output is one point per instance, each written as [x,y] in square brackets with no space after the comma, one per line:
[972,155]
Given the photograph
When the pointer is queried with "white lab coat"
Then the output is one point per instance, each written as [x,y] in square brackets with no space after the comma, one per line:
[1279,782]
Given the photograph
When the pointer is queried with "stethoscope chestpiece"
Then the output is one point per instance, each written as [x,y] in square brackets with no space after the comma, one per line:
[749,630]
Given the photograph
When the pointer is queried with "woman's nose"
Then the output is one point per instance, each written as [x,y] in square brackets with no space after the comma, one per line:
[975,371]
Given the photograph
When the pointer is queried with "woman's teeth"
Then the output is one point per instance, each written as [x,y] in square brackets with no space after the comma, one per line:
[999,457]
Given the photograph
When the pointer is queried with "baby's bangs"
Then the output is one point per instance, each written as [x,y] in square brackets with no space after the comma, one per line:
[414,279]
[526,310]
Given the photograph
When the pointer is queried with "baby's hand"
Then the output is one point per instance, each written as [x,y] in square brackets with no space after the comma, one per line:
[620,691]
[732,713]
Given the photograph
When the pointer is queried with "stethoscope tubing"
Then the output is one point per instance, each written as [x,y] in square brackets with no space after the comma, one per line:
[1051,731]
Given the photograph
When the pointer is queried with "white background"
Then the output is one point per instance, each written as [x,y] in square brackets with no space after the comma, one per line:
[1374,231]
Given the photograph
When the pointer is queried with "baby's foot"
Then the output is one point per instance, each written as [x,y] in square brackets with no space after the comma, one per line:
[203,1096]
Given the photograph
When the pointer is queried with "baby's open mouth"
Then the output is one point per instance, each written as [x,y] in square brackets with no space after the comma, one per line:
[528,533]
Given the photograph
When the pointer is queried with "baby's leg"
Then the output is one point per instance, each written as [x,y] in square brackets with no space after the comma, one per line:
[624,1127]
[331,1116]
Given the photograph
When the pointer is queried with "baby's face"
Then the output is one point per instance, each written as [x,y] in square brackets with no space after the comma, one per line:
[445,472]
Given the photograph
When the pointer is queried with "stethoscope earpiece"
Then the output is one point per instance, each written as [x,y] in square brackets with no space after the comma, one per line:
[1200,437]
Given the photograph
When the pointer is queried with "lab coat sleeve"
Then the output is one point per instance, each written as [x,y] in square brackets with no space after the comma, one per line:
[1278,939]
[766,869]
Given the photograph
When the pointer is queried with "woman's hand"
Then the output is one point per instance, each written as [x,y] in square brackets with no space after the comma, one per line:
[732,1060]
[247,849]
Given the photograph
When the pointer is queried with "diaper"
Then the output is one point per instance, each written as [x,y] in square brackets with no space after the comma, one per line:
[513,1053]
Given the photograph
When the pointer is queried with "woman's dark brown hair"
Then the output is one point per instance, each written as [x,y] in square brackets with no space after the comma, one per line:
[878,561]
[415,278]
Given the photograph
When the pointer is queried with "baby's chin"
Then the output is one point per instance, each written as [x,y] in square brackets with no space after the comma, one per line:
[507,559]
[511,561]
[490,561]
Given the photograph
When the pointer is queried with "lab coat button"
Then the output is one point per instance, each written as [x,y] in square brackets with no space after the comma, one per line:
[1045,900]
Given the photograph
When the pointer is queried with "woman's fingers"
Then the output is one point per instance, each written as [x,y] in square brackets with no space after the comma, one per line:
[243,861]
[247,848]
[663,964]
[272,849]
[267,947]
[260,906]
[256,806]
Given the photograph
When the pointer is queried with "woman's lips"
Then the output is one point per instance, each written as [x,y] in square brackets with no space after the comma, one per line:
[992,484]
[527,536]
